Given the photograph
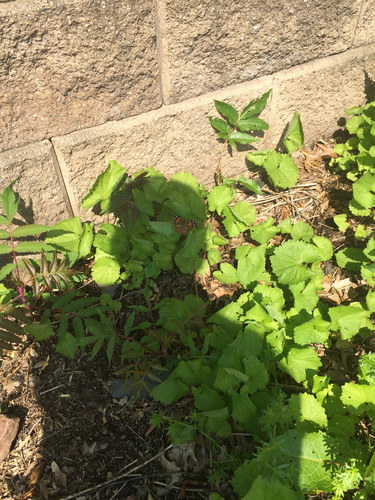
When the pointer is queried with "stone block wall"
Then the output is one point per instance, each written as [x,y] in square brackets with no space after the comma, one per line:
[86,81]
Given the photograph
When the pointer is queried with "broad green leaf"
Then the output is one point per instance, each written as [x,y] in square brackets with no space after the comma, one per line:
[281,169]
[305,297]
[219,198]
[354,111]
[228,318]
[220,125]
[207,399]
[201,266]
[104,185]
[360,232]
[39,332]
[243,408]
[349,320]
[258,157]
[306,407]
[169,391]
[351,258]
[242,138]
[191,372]
[4,234]
[269,295]
[257,373]
[30,230]
[342,426]
[252,123]
[244,212]
[359,398]
[369,251]
[65,235]
[106,271]
[301,364]
[370,301]
[290,260]
[262,489]
[302,231]
[354,123]
[315,331]
[250,268]
[228,111]
[216,421]
[213,256]
[307,456]
[9,203]
[67,346]
[249,184]
[111,239]
[276,341]
[229,378]
[244,476]
[86,239]
[294,137]
[364,190]
[357,209]
[324,246]
[264,231]
[256,106]
[227,274]
[232,224]
[340,221]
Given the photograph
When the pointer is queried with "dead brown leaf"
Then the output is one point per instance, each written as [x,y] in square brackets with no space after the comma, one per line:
[60,477]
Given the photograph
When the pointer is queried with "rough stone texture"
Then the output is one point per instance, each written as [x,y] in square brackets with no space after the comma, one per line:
[365,32]
[70,64]
[173,139]
[8,432]
[38,185]
[214,44]
[323,91]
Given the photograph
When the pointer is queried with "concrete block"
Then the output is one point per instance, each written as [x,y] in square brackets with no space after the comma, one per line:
[365,32]
[43,199]
[173,139]
[322,92]
[212,45]
[70,64]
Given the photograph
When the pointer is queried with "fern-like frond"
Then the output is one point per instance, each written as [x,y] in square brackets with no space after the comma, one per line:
[53,273]
[9,329]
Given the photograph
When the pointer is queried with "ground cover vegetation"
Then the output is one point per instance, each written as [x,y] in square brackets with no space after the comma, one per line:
[253,367]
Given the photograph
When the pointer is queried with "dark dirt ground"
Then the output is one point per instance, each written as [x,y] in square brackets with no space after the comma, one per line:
[76,442]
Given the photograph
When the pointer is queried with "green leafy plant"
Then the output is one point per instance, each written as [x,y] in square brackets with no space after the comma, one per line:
[42,277]
[356,157]
[281,168]
[253,366]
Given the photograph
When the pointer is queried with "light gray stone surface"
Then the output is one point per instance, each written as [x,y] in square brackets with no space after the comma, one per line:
[214,44]
[322,92]
[177,138]
[71,64]
[38,185]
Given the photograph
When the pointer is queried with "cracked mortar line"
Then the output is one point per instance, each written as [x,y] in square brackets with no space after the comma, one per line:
[60,167]
[162,51]
[360,16]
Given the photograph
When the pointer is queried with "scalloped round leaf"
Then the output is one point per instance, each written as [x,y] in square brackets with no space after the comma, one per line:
[290,260]
[106,271]
[364,190]
[282,169]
